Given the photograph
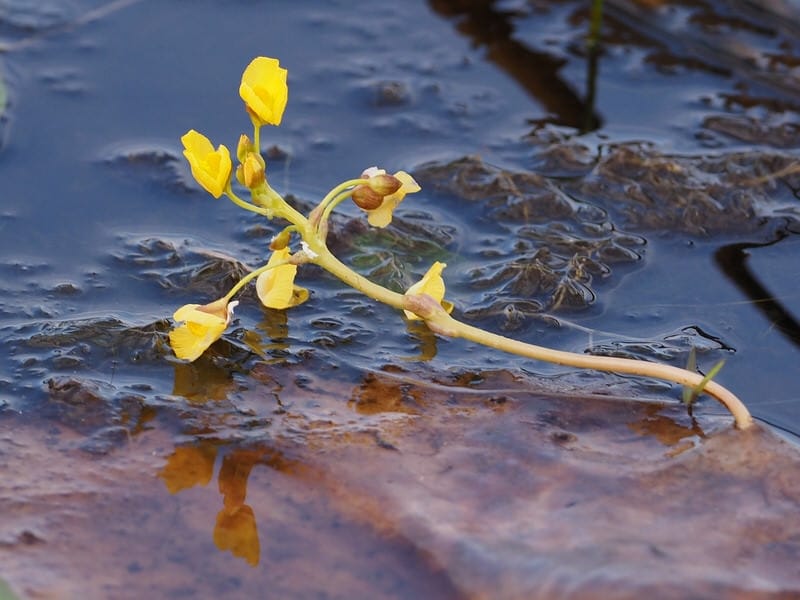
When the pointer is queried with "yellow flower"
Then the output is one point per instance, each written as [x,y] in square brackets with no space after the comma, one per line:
[275,287]
[382,215]
[211,168]
[203,325]
[264,90]
[431,284]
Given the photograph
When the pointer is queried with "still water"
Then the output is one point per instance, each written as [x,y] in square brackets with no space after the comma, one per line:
[637,202]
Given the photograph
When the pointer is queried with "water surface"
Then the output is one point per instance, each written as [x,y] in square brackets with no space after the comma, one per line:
[640,202]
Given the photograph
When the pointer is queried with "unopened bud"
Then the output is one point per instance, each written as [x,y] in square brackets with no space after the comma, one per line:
[280,241]
[384,184]
[253,170]
[243,148]
[366,198]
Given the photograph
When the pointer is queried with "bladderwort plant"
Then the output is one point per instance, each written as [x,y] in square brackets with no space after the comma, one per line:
[264,92]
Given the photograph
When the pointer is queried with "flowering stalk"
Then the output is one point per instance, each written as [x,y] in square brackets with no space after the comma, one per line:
[264,92]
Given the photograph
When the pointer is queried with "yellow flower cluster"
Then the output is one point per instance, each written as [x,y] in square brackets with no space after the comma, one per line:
[264,91]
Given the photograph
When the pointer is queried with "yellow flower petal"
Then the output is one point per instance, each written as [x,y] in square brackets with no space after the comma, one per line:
[382,216]
[299,295]
[210,168]
[275,287]
[431,284]
[264,90]
[203,325]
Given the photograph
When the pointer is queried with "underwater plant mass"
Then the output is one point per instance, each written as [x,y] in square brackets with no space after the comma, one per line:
[264,91]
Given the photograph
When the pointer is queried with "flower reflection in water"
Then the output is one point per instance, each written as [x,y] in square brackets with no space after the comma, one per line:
[235,529]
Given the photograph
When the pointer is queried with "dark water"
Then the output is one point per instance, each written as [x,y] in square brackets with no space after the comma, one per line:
[637,203]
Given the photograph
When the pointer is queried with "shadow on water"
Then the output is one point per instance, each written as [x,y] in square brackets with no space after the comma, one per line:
[733,259]
[492,28]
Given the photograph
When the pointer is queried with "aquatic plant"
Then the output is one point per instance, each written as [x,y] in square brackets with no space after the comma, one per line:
[264,92]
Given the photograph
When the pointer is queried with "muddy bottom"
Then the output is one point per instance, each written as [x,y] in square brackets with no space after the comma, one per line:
[395,487]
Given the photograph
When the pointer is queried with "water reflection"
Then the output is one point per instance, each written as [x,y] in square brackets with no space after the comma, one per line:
[537,72]
[732,259]
[270,338]
[425,338]
[378,413]
[189,466]
[235,528]
[202,380]
[275,325]
[677,437]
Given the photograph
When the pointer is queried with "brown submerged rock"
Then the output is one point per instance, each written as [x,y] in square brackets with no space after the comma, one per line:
[407,485]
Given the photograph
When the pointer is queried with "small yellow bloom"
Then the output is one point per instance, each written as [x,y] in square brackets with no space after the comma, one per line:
[264,90]
[211,168]
[382,215]
[276,288]
[203,325]
[431,284]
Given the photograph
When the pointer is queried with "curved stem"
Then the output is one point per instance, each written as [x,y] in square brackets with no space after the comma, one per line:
[250,276]
[337,200]
[335,267]
[273,202]
[316,215]
[245,205]
[440,322]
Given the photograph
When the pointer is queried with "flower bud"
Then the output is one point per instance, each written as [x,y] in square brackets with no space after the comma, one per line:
[367,198]
[280,241]
[243,148]
[384,184]
[253,170]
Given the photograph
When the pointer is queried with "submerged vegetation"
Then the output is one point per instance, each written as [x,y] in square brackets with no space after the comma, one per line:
[264,91]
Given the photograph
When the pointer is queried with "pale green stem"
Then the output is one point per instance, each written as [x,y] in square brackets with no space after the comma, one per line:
[256,135]
[440,322]
[317,213]
[250,276]
[332,205]
[286,230]
[245,205]
[280,207]
[335,267]
[339,189]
